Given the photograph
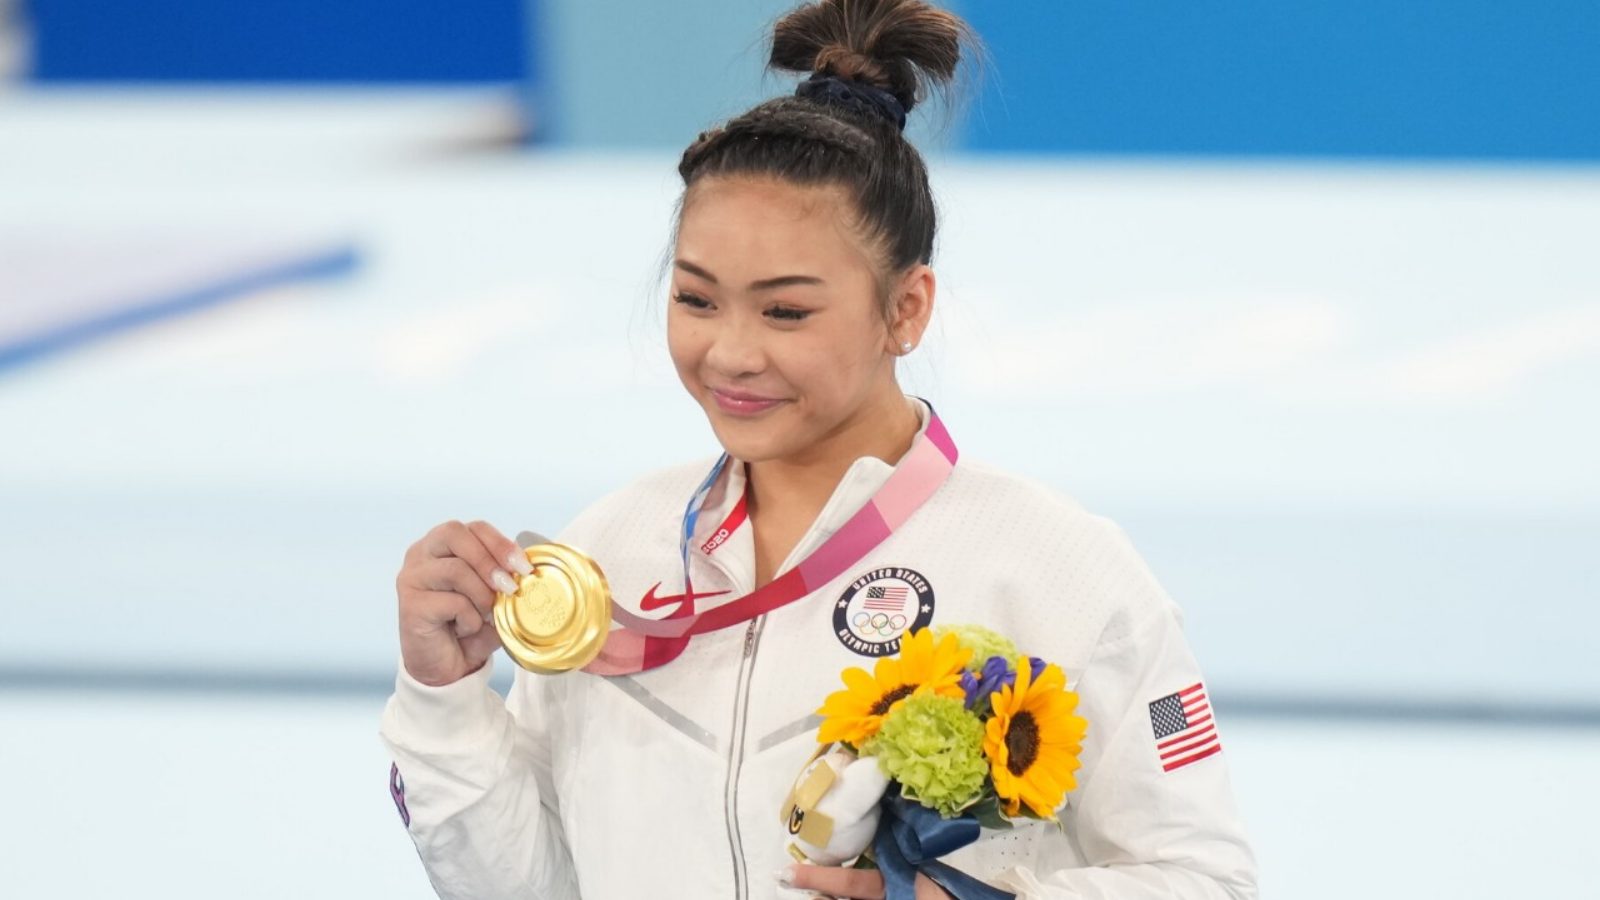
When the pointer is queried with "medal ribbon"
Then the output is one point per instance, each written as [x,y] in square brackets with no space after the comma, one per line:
[642,643]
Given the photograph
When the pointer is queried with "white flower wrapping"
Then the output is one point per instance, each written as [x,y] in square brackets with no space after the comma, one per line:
[832,811]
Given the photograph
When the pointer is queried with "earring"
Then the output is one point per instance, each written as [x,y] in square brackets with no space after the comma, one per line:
[906,347]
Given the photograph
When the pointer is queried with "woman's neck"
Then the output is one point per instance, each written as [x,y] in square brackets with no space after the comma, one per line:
[795,489]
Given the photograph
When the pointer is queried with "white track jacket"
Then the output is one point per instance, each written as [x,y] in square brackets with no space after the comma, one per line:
[668,783]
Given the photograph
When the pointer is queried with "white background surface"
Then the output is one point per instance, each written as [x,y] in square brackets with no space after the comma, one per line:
[289,798]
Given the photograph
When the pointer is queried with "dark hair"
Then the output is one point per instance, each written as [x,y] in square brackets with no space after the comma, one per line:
[902,47]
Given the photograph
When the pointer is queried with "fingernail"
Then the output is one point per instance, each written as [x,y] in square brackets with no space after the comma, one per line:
[503,582]
[785,875]
[519,561]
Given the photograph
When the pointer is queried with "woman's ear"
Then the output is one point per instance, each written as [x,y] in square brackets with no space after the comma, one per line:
[911,309]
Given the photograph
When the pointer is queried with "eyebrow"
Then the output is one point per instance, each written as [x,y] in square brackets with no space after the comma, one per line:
[762,285]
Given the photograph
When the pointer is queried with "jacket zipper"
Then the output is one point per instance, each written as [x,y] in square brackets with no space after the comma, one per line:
[741,709]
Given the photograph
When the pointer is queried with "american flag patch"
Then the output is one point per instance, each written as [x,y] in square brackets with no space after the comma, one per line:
[1185,731]
[886,598]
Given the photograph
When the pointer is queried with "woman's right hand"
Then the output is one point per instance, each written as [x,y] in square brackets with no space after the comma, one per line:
[447,584]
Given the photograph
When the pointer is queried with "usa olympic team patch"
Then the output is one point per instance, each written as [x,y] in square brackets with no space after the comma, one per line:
[879,608]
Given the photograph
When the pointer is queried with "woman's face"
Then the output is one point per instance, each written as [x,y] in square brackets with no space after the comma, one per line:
[773,321]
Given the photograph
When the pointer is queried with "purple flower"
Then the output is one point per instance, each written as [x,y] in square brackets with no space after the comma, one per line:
[995,674]
[1035,668]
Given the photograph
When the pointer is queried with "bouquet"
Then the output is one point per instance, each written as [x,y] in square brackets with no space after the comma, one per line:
[958,733]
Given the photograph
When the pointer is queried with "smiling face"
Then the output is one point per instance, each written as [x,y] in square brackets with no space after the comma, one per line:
[774,322]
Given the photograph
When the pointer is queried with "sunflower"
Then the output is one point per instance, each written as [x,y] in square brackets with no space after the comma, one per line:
[1033,741]
[923,667]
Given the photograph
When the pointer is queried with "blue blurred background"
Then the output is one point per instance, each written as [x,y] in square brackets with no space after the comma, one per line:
[1304,296]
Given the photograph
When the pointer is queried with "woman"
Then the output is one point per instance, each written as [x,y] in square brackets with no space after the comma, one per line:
[800,276]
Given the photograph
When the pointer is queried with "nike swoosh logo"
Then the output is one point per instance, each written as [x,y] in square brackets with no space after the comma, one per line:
[651,602]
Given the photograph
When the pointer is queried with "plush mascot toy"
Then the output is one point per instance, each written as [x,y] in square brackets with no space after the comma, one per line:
[832,811]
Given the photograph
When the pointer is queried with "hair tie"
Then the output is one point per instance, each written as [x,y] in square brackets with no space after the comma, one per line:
[857,95]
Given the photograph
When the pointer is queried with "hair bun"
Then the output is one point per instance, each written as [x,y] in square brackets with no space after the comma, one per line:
[845,62]
[898,46]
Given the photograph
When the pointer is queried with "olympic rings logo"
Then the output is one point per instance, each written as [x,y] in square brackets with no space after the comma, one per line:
[878,624]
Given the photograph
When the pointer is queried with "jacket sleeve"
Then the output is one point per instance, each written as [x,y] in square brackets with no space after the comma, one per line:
[1153,817]
[472,783]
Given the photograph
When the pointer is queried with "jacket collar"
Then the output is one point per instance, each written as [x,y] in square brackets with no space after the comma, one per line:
[736,553]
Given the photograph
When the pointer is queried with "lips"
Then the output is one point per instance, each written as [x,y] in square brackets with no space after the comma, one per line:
[741,403]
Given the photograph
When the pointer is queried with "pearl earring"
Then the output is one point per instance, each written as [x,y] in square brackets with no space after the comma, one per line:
[906,347]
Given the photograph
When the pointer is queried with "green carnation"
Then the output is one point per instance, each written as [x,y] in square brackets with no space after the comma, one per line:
[934,747]
[981,641]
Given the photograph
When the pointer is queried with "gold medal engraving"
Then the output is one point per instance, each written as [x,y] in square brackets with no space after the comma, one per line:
[559,617]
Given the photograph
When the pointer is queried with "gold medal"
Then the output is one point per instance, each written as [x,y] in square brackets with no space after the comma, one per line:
[559,617]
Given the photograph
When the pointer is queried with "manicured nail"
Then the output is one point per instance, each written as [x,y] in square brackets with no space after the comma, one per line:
[785,875]
[519,561]
[503,582]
